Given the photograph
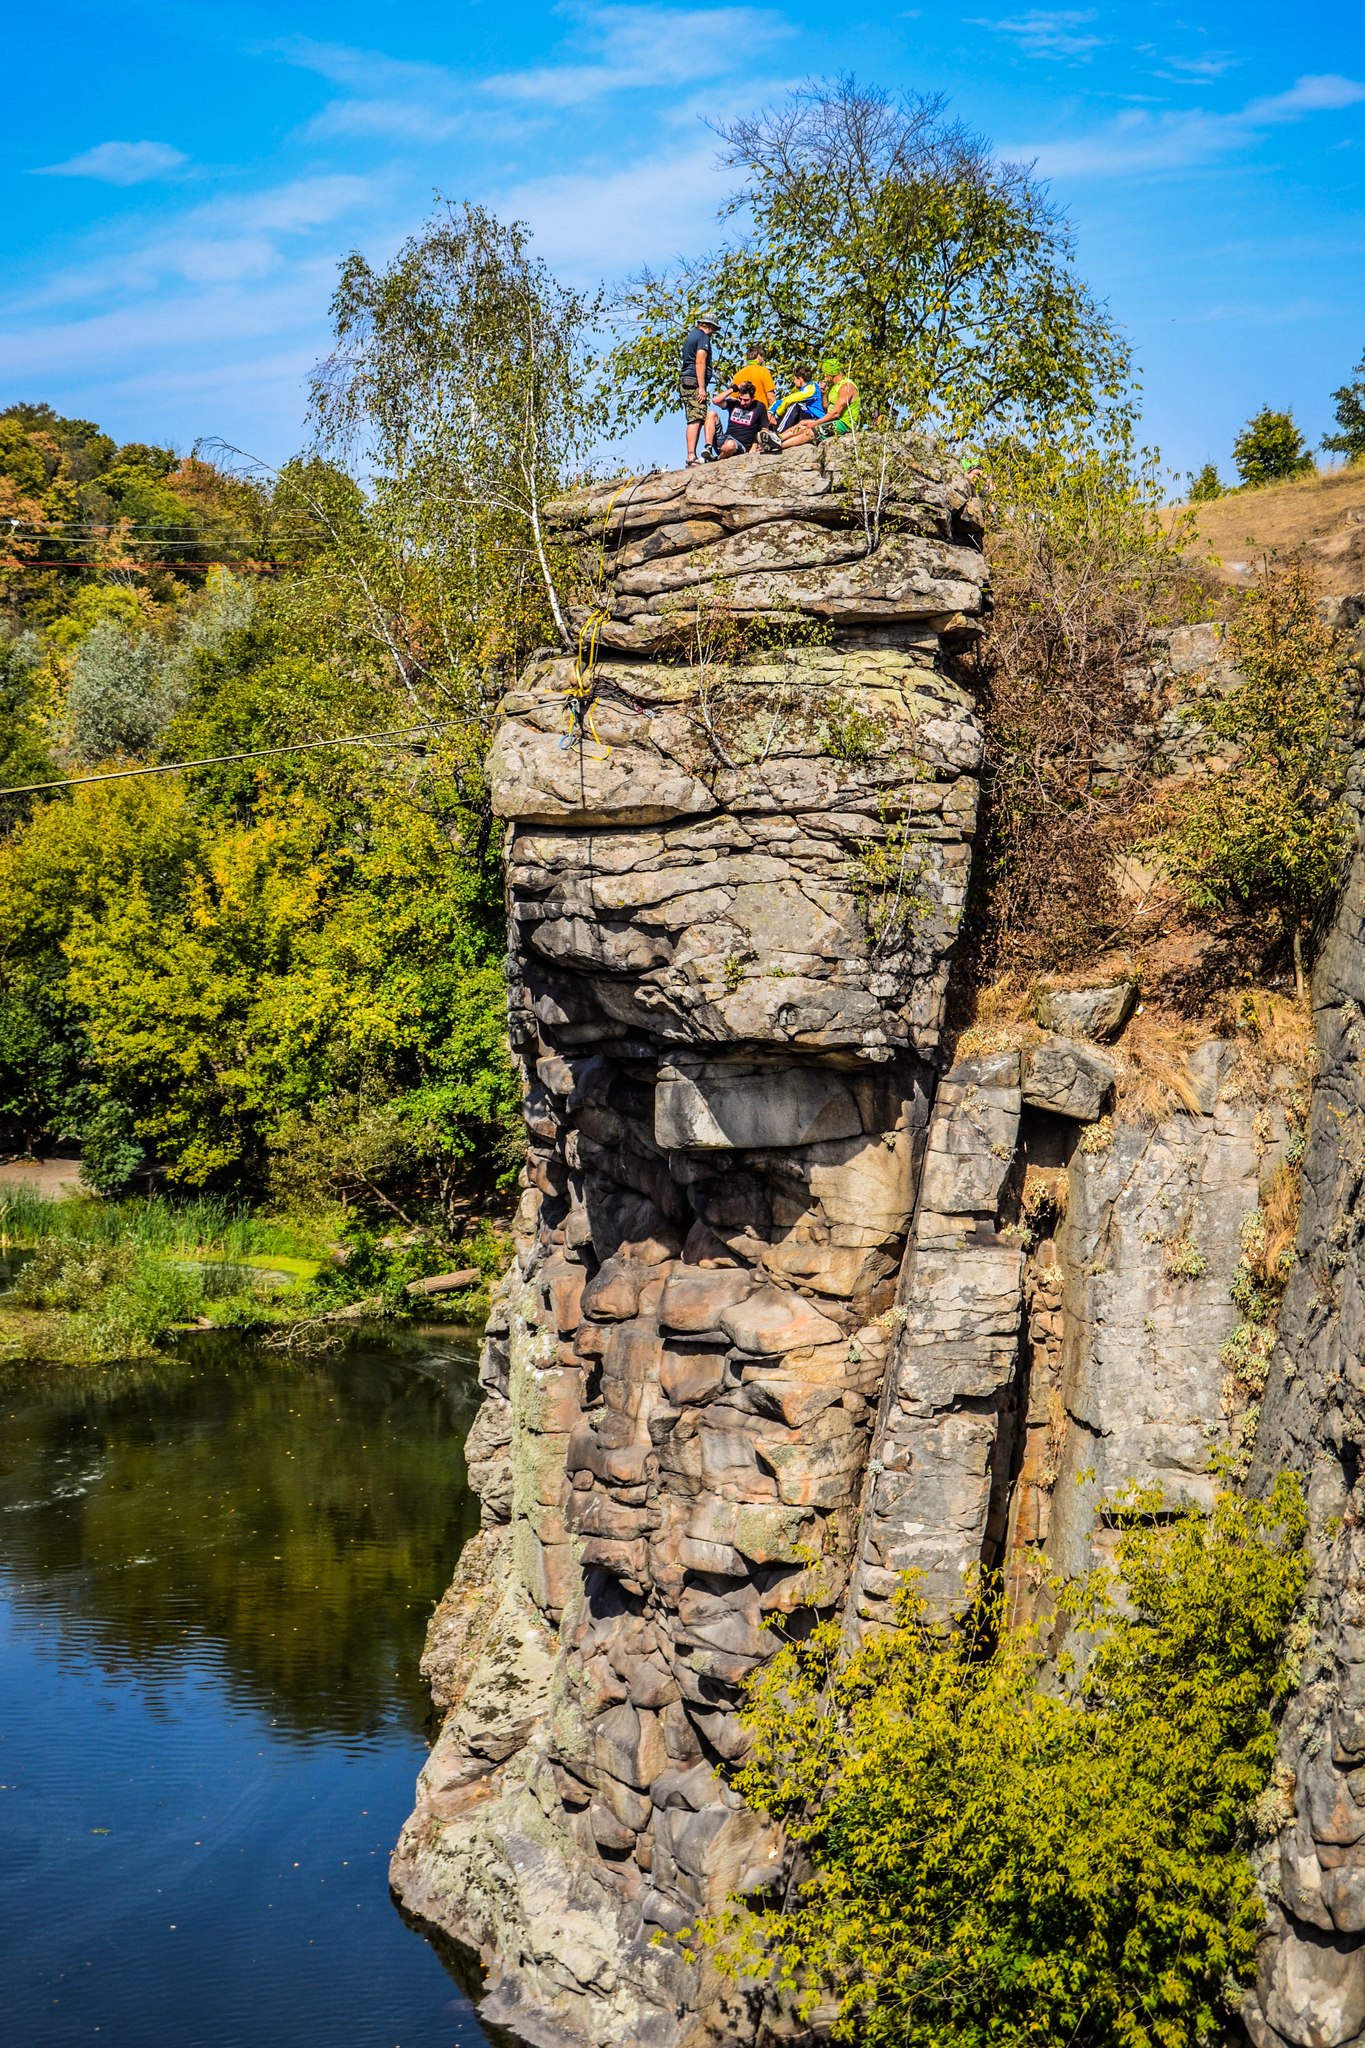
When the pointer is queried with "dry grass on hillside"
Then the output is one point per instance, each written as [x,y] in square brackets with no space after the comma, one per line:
[1322,517]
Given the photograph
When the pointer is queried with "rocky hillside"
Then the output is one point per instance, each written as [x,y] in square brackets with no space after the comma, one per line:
[800,1299]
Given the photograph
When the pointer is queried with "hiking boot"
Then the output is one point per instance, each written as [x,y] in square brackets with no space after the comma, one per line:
[770,441]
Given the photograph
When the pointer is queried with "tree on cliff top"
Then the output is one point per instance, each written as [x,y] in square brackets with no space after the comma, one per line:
[456,390]
[1269,835]
[867,224]
[1349,401]
[1270,449]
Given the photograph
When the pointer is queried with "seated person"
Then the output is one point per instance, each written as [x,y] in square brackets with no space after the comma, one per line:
[748,419]
[804,403]
[841,408]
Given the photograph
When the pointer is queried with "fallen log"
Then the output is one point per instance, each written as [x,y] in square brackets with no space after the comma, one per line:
[446,1283]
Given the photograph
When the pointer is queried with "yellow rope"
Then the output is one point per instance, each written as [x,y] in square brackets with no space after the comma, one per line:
[579,691]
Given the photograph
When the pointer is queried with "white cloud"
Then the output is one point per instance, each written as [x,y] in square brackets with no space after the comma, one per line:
[120,163]
[204,321]
[1138,141]
[1047,33]
[393,119]
[1255,314]
[234,238]
[640,47]
[1197,70]
[1325,94]
[611,49]
[640,212]
[390,96]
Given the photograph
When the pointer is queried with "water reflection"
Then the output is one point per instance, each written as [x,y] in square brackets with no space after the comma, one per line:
[299,1517]
[215,1570]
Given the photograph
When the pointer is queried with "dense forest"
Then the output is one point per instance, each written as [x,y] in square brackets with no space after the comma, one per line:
[277,975]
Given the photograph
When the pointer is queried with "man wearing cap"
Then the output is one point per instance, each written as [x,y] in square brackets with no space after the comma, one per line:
[694,382]
[840,394]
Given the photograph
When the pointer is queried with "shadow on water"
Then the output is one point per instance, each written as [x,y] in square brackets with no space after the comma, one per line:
[215,1572]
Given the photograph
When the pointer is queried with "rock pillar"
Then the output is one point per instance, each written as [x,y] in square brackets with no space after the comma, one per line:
[738,838]
[788,1312]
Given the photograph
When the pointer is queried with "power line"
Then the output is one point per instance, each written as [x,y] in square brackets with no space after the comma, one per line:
[354,739]
[72,531]
[244,567]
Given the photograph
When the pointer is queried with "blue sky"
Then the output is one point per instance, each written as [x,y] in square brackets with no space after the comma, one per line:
[181,179]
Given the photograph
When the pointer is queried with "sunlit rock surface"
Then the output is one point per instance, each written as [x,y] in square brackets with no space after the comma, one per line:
[773,1332]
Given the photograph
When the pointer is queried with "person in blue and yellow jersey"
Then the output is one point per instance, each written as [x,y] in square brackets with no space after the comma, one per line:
[803,402]
[841,408]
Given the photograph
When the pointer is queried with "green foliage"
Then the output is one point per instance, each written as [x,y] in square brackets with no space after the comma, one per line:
[104,1302]
[111,1280]
[886,874]
[70,494]
[217,977]
[998,1861]
[1269,833]
[290,973]
[24,756]
[459,379]
[1206,484]
[202,1225]
[1270,449]
[1349,403]
[870,225]
[376,1270]
[117,702]
[851,734]
[1183,1259]
[110,1152]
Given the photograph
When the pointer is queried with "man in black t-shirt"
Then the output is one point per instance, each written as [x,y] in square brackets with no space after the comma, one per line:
[748,418]
[694,383]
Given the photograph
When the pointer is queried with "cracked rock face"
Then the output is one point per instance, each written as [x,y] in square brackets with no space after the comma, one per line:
[1311,1988]
[772,1332]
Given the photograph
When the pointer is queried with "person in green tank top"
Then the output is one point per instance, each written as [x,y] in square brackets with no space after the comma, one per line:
[841,414]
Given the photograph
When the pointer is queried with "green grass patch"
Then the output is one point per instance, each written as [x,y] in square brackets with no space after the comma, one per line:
[204,1225]
[111,1280]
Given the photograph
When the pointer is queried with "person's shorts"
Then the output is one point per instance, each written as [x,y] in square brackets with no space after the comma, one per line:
[825,430]
[694,405]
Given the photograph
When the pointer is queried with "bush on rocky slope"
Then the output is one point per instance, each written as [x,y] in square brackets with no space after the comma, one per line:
[999,1860]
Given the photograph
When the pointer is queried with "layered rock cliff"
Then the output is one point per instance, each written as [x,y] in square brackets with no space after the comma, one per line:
[1311,1989]
[796,1304]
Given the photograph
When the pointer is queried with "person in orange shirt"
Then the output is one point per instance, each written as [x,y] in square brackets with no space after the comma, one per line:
[757,373]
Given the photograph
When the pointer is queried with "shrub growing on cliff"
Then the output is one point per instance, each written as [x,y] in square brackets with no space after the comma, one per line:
[1270,833]
[1000,1862]
[1084,565]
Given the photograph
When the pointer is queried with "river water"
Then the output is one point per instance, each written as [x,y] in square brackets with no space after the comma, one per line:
[215,1573]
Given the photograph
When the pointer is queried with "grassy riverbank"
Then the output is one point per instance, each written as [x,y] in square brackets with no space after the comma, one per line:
[92,1281]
